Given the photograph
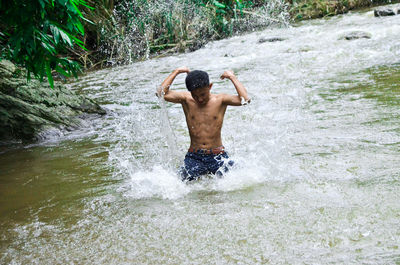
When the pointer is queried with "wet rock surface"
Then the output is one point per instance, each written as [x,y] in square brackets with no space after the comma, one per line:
[27,109]
[382,12]
[270,39]
[353,35]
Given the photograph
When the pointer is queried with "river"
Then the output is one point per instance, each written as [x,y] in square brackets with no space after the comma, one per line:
[316,178]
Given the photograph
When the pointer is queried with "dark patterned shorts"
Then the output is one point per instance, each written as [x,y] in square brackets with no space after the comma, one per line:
[198,164]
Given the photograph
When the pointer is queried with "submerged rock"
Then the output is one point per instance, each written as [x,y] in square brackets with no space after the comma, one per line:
[271,39]
[353,35]
[29,108]
[382,12]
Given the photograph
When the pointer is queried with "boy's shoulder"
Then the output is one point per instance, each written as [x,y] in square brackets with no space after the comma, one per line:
[220,96]
[217,96]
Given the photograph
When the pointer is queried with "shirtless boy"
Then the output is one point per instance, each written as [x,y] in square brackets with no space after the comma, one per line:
[204,116]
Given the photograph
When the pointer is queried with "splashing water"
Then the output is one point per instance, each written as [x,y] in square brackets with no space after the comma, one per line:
[172,153]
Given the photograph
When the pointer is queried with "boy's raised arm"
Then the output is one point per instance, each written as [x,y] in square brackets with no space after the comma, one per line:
[170,95]
[242,98]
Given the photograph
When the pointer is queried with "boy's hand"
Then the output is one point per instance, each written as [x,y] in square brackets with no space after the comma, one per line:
[181,70]
[227,74]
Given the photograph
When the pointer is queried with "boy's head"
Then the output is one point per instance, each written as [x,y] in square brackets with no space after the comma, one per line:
[198,83]
[197,79]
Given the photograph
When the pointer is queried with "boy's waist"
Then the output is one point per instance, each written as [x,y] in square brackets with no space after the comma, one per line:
[205,151]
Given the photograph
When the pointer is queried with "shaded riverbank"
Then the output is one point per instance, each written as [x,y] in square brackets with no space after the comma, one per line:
[31,111]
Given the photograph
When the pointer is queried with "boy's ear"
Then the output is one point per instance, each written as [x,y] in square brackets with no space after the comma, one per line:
[211,84]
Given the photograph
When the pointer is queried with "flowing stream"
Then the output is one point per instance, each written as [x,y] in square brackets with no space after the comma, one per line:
[316,178]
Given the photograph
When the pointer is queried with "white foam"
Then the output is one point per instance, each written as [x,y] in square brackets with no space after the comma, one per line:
[157,182]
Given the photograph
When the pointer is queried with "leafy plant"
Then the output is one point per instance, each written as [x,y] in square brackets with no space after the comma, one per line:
[35,33]
[225,12]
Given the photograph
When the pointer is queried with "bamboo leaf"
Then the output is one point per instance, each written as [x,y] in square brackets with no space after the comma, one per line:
[42,3]
[62,71]
[218,4]
[50,48]
[76,8]
[77,41]
[89,21]
[84,3]
[56,33]
[80,27]
[48,73]
[66,38]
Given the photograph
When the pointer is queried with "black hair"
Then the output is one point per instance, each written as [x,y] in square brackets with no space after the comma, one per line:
[196,79]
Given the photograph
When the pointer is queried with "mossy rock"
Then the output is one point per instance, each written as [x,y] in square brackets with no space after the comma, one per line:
[27,108]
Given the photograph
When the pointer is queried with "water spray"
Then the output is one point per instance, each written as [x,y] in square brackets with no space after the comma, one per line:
[170,154]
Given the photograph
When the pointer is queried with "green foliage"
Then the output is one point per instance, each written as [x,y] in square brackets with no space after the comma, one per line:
[224,11]
[33,34]
[142,27]
[126,30]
